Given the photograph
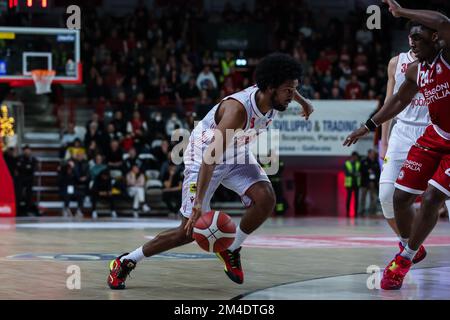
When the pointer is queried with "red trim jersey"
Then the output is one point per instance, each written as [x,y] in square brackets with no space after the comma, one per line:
[434,83]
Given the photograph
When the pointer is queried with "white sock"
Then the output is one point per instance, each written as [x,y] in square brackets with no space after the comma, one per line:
[408,253]
[137,255]
[238,240]
[404,241]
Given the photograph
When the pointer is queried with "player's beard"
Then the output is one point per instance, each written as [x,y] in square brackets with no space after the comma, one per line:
[277,106]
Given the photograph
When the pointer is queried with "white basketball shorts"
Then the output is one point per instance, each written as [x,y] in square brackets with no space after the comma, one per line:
[236,177]
[400,141]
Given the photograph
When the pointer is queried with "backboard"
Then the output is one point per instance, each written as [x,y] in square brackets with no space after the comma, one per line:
[25,49]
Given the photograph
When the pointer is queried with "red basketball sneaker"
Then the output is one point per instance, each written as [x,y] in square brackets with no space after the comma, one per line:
[232,261]
[119,272]
[420,255]
[395,272]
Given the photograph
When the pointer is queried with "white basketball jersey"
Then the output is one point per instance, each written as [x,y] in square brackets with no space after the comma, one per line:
[203,133]
[416,113]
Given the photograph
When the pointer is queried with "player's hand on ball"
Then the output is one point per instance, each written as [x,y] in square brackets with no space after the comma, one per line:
[355,135]
[196,214]
[394,7]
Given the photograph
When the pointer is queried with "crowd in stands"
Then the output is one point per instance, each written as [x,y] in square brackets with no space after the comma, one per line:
[147,74]
[119,160]
[148,71]
[144,58]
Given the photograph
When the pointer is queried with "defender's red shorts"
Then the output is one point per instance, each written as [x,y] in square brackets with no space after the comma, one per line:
[428,162]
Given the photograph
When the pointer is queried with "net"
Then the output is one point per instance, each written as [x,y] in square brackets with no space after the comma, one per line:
[43,80]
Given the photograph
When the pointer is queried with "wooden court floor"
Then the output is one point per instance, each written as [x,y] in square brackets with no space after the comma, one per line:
[46,258]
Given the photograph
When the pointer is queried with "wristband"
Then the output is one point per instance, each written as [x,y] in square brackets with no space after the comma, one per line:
[371,125]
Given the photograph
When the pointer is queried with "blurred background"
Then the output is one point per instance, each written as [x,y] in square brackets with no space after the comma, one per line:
[100,144]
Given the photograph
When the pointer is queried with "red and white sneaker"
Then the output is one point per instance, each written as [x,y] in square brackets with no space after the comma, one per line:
[420,255]
[232,261]
[395,272]
[119,270]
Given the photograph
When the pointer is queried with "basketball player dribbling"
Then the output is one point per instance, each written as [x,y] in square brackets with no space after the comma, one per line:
[253,109]
[410,125]
[427,167]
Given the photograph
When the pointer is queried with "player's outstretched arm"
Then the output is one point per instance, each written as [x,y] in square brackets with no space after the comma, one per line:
[393,106]
[386,126]
[233,118]
[305,103]
[432,19]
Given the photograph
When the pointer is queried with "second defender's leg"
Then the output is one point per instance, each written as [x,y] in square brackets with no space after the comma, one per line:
[428,215]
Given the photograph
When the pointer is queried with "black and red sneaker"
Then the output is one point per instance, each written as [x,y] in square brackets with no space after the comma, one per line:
[232,261]
[420,255]
[119,270]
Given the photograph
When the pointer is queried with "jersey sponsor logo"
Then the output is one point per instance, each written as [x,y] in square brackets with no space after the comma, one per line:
[193,187]
[438,68]
[401,175]
[412,165]
[440,91]
[418,102]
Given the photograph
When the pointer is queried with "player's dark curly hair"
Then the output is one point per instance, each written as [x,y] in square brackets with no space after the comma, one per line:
[411,24]
[275,69]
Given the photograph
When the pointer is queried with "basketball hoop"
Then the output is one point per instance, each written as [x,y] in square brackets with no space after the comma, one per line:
[43,80]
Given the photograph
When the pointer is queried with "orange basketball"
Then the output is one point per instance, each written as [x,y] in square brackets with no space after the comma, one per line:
[214,231]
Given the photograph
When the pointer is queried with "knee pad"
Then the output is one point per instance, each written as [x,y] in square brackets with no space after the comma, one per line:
[386,195]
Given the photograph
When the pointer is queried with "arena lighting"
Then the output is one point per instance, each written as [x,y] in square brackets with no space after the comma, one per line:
[241,62]
[29,3]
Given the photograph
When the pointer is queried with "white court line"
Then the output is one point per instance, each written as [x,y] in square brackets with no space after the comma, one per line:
[156,224]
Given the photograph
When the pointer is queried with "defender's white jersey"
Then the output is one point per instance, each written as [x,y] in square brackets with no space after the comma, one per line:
[416,113]
[203,133]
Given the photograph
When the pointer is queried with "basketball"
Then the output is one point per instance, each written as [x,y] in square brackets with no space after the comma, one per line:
[214,231]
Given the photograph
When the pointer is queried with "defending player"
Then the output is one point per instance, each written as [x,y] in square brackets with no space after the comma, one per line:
[395,144]
[427,168]
[253,109]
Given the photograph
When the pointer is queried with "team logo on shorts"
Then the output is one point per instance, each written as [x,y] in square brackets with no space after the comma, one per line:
[412,165]
[438,68]
[401,175]
[193,187]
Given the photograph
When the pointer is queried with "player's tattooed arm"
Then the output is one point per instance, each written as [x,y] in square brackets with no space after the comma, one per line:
[305,103]
[393,106]
[232,116]
[386,126]
[432,19]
